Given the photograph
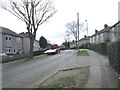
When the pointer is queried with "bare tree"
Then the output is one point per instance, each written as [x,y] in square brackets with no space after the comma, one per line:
[72,29]
[33,13]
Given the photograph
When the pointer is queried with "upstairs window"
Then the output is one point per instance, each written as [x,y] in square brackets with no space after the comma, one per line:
[18,39]
[8,37]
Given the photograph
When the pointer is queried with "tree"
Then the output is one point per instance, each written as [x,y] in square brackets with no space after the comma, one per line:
[72,29]
[43,42]
[33,13]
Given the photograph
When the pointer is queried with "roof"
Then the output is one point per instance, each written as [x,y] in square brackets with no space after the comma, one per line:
[25,35]
[9,32]
[115,24]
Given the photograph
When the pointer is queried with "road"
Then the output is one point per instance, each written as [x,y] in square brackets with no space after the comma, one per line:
[28,74]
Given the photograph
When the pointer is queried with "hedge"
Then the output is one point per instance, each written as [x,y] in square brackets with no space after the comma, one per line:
[110,49]
[101,48]
[35,53]
[114,54]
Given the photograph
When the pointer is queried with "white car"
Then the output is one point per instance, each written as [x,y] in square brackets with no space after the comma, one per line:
[54,49]
[3,54]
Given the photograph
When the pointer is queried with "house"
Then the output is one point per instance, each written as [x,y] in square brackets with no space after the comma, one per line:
[12,43]
[36,45]
[84,41]
[73,44]
[115,32]
[104,34]
[91,39]
[26,43]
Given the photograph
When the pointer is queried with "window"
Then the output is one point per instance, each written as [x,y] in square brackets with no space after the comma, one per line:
[18,39]
[8,37]
[8,49]
[14,50]
[19,50]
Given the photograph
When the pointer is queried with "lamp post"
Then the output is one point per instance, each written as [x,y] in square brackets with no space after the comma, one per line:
[87,27]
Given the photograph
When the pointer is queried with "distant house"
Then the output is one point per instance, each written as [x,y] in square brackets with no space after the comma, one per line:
[104,34]
[91,39]
[36,45]
[12,43]
[101,36]
[26,45]
[115,32]
[73,44]
[85,40]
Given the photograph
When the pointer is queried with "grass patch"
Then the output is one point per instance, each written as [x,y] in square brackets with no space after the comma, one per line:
[62,82]
[68,78]
[29,59]
[71,69]
[82,53]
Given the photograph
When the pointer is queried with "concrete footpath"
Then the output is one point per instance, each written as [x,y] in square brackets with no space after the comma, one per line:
[101,74]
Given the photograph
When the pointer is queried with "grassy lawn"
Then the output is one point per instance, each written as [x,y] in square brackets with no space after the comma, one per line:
[82,53]
[62,82]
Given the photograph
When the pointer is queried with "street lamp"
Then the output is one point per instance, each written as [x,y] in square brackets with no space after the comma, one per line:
[87,27]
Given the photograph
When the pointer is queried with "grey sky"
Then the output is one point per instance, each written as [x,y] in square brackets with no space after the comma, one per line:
[97,12]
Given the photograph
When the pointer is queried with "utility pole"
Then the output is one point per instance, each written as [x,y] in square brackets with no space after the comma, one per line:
[87,27]
[78,29]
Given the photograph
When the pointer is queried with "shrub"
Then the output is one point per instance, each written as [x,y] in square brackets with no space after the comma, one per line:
[113,54]
[100,47]
[35,53]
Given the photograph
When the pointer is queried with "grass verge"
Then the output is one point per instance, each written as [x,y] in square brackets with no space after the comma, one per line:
[68,78]
[82,53]
[62,82]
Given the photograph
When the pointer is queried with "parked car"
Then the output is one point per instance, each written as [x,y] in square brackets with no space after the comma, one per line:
[54,49]
[3,54]
[62,47]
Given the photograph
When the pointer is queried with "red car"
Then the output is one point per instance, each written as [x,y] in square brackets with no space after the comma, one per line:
[54,49]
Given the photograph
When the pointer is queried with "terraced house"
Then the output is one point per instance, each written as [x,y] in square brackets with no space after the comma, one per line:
[12,43]
[115,32]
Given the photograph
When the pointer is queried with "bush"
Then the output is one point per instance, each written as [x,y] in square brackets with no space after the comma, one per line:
[40,52]
[113,54]
[100,47]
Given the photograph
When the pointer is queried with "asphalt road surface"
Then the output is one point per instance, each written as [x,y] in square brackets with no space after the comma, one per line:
[29,74]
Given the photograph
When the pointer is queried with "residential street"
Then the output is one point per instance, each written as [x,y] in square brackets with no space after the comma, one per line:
[28,74]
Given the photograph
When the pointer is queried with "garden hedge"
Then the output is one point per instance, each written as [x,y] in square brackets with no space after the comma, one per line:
[101,48]
[40,52]
[114,55]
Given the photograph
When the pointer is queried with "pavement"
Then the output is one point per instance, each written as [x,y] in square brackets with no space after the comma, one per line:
[31,73]
[101,74]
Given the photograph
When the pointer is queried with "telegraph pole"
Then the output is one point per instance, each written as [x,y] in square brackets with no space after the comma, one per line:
[87,26]
[78,29]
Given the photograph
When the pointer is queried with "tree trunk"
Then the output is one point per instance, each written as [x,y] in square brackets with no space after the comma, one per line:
[76,42]
[31,46]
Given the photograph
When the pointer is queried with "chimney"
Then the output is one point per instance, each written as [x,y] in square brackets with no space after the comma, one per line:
[96,31]
[105,26]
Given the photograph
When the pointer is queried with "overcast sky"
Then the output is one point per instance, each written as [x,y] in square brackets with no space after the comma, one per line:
[96,12]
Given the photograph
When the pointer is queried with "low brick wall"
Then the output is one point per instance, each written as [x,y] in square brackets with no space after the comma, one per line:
[14,57]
